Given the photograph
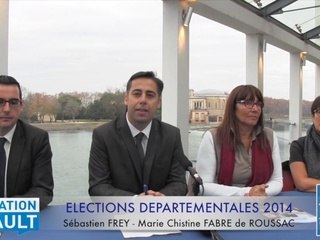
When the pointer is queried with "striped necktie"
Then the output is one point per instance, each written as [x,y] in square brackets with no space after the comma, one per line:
[3,161]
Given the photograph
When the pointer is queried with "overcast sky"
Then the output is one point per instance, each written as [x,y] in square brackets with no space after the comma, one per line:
[94,46]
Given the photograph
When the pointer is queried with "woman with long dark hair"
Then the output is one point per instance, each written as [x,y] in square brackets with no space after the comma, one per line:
[241,157]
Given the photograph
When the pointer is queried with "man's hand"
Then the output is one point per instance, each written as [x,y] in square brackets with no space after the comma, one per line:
[151,193]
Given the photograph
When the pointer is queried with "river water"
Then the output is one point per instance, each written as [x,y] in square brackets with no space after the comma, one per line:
[71,155]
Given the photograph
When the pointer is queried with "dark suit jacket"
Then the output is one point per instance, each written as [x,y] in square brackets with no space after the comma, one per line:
[115,168]
[29,172]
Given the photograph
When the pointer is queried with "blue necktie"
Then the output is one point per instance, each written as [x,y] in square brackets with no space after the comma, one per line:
[2,166]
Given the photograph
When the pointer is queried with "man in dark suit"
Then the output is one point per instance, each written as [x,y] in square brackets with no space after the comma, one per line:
[117,168]
[25,169]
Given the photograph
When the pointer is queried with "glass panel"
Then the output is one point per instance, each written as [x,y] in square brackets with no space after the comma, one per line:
[308,88]
[301,16]
[316,41]
[195,137]
[282,130]
[280,126]
[259,3]
[276,116]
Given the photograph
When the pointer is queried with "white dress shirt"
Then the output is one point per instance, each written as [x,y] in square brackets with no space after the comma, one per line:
[207,167]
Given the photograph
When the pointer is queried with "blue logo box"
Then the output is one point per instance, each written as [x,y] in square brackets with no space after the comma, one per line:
[19,214]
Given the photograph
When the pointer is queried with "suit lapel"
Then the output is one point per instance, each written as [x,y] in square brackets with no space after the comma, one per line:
[15,158]
[126,135]
[154,138]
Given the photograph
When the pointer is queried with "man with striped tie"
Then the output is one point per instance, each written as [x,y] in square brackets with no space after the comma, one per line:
[25,152]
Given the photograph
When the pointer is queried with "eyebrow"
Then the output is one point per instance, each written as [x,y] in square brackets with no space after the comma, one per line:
[147,91]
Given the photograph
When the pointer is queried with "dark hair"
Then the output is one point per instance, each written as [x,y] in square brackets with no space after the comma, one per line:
[8,80]
[148,75]
[315,105]
[228,129]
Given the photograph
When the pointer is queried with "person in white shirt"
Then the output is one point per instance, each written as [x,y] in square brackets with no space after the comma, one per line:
[241,157]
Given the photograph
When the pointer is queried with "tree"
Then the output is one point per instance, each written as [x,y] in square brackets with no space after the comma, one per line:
[36,105]
[113,103]
[69,106]
[96,111]
[72,108]
[27,112]
[86,98]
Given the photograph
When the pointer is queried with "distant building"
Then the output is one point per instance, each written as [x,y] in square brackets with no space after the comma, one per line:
[206,106]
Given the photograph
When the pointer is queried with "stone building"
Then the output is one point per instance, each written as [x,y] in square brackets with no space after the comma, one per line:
[206,106]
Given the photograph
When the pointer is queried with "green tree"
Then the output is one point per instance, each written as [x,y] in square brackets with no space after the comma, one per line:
[69,106]
[72,108]
[113,103]
[96,111]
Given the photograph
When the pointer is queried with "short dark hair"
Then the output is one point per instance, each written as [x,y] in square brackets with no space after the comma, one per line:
[148,75]
[8,80]
[315,105]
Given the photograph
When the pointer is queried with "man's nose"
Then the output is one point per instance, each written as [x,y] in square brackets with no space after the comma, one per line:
[143,97]
[6,107]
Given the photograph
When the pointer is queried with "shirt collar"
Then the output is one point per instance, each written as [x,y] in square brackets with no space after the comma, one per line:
[135,131]
[9,135]
[256,132]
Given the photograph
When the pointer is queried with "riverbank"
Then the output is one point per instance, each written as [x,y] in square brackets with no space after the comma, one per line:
[64,126]
[203,127]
